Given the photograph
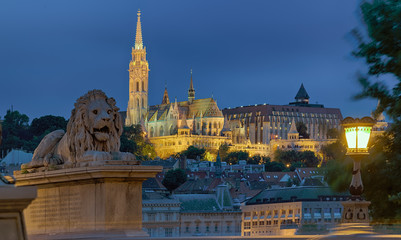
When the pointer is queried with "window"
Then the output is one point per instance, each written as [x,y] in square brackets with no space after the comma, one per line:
[247,225]
[216,227]
[151,217]
[168,216]
[137,86]
[168,232]
[197,227]
[143,88]
[187,228]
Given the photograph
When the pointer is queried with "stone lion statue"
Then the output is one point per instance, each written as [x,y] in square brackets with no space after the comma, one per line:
[93,135]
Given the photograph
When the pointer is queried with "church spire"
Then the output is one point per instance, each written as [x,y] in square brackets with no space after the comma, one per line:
[191,91]
[138,37]
[165,100]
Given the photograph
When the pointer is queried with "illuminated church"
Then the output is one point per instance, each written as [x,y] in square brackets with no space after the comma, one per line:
[171,126]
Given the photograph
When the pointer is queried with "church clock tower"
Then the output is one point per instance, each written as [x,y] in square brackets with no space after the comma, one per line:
[138,80]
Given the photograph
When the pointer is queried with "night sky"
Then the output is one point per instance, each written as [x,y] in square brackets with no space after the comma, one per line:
[241,52]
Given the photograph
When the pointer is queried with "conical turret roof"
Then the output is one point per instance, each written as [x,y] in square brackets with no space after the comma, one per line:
[302,94]
[293,128]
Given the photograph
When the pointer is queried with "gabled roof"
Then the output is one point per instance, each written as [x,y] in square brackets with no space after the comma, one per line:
[302,94]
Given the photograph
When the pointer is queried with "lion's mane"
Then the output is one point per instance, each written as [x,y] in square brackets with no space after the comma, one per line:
[79,138]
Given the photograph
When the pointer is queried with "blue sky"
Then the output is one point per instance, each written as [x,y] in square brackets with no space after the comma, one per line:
[242,52]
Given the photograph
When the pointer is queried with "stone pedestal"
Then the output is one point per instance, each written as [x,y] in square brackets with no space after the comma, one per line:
[95,202]
[12,202]
[355,211]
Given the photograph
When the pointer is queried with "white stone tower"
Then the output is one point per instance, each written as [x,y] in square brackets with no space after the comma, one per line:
[138,80]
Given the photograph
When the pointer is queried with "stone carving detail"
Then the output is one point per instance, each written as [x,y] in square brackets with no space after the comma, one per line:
[93,135]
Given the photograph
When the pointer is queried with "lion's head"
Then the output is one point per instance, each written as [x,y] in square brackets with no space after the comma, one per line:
[95,125]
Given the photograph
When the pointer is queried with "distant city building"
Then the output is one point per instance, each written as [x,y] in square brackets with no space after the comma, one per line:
[242,166]
[205,214]
[173,126]
[210,214]
[261,123]
[160,215]
[293,142]
[284,211]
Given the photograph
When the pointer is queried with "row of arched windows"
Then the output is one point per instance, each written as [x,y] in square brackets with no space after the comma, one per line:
[138,103]
[137,86]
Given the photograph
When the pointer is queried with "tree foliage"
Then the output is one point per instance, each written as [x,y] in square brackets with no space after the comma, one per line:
[132,140]
[193,152]
[302,130]
[381,50]
[257,159]
[174,178]
[334,150]
[47,124]
[223,150]
[17,133]
[235,156]
[273,166]
[306,158]
[333,133]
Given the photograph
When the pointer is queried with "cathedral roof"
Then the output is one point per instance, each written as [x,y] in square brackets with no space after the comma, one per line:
[302,94]
[205,107]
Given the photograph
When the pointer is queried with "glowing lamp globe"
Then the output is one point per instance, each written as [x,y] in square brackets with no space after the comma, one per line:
[357,133]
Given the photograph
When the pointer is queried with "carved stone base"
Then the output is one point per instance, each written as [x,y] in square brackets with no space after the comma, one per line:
[87,201]
[355,212]
[12,202]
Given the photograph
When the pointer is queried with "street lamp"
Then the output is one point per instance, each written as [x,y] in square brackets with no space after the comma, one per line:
[357,133]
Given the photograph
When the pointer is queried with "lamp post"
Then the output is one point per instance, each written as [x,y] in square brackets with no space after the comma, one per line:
[357,133]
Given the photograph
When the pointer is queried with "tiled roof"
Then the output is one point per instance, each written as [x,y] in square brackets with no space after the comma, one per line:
[153,183]
[197,202]
[266,110]
[275,178]
[307,172]
[295,194]
[205,107]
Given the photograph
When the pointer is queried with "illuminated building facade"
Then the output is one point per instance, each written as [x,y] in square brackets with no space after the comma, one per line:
[174,126]
[171,126]
[285,211]
[138,80]
[259,124]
